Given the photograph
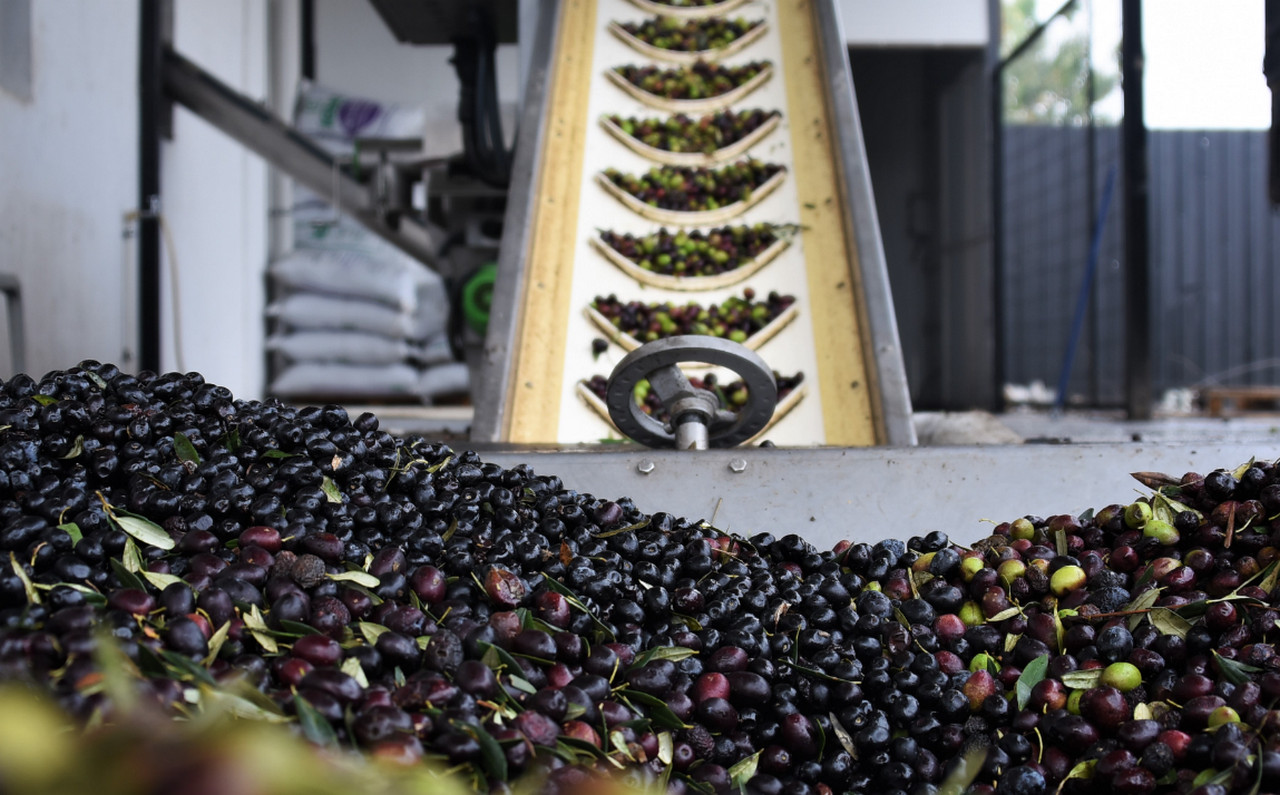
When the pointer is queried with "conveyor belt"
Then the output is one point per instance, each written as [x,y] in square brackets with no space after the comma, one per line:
[844,339]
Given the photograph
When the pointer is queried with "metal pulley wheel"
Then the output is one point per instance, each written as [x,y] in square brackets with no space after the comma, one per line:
[697,420]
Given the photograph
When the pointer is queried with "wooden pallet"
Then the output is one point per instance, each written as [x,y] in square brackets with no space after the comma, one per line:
[1221,401]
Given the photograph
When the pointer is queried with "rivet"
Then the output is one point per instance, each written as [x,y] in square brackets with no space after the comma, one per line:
[645,467]
[738,465]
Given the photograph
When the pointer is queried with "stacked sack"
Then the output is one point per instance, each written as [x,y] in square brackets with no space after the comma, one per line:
[355,318]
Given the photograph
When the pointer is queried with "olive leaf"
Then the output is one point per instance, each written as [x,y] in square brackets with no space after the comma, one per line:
[257,626]
[159,579]
[330,489]
[658,710]
[352,668]
[371,631]
[1169,622]
[1082,680]
[1082,770]
[277,454]
[843,735]
[77,448]
[241,704]
[358,577]
[44,400]
[1031,676]
[126,578]
[145,530]
[72,529]
[314,726]
[215,644]
[1239,471]
[672,653]
[185,451]
[1234,671]
[964,774]
[1008,612]
[575,602]
[743,771]
[32,596]
[1155,480]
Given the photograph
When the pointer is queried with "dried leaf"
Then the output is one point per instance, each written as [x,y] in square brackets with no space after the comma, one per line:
[1143,712]
[77,448]
[131,557]
[1155,480]
[1008,612]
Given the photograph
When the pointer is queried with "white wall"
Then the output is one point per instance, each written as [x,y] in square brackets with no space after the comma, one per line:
[215,201]
[68,176]
[914,23]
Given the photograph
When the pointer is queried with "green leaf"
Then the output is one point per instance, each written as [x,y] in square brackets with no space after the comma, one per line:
[575,602]
[77,448]
[744,770]
[1083,680]
[666,748]
[314,727]
[964,773]
[159,580]
[215,643]
[492,757]
[843,735]
[330,489]
[620,530]
[298,628]
[444,462]
[232,440]
[371,631]
[1082,770]
[131,557]
[1268,583]
[257,626]
[1169,622]
[277,454]
[1239,471]
[358,577]
[127,578]
[672,653]
[352,668]
[241,704]
[1008,612]
[1060,541]
[1031,676]
[184,668]
[32,596]
[185,450]
[1142,601]
[657,710]
[1234,671]
[145,530]
[44,400]
[72,529]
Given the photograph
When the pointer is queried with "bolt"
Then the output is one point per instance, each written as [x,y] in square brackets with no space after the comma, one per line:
[738,465]
[645,466]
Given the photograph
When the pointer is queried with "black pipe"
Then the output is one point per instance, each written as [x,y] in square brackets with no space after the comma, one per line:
[1137,299]
[996,124]
[307,22]
[150,100]
[1271,69]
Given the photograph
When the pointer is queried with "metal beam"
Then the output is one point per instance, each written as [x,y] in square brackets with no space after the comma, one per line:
[1137,289]
[373,205]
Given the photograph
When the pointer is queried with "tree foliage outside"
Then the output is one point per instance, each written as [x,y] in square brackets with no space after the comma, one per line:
[1048,83]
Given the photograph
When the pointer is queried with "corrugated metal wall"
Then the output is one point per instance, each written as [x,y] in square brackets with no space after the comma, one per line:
[1215,246]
